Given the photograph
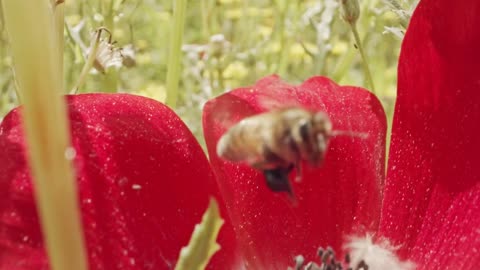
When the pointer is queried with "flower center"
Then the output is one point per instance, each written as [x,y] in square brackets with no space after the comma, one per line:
[328,261]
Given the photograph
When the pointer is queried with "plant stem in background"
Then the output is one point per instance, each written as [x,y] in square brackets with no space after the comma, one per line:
[89,62]
[221,81]
[366,67]
[344,65]
[205,11]
[108,12]
[174,57]
[282,8]
[351,13]
[37,52]
[111,78]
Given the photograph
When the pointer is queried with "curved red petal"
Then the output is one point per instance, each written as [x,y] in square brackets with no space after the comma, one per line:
[432,197]
[340,198]
[143,179]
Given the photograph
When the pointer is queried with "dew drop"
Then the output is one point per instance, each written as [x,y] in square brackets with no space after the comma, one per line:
[70,153]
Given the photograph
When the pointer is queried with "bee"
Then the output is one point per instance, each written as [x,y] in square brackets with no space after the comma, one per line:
[277,141]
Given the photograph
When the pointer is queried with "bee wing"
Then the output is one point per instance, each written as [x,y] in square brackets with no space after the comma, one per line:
[269,101]
[268,94]
[229,110]
[277,95]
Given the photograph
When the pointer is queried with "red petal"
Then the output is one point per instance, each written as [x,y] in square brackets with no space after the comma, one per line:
[340,198]
[144,183]
[432,198]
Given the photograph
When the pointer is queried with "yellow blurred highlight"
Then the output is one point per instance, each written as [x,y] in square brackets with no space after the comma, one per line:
[235,70]
[339,48]
[153,91]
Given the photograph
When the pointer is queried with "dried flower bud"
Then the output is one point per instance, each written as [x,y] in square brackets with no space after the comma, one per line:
[128,56]
[106,54]
[351,10]
[218,45]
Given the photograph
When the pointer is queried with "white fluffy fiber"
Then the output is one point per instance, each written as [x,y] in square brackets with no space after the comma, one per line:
[378,256]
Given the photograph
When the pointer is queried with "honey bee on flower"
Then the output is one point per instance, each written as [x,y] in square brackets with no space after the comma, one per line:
[277,141]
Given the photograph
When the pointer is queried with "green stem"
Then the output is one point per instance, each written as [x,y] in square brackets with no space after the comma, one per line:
[108,13]
[110,80]
[173,72]
[221,81]
[46,128]
[205,12]
[344,64]
[282,61]
[366,67]
[88,63]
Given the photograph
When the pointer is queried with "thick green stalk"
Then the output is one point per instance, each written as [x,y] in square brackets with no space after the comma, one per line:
[174,58]
[59,15]
[37,56]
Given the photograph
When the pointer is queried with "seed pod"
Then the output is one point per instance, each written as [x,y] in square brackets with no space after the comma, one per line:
[351,11]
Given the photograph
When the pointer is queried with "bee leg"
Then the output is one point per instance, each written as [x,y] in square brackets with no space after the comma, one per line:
[298,169]
[277,180]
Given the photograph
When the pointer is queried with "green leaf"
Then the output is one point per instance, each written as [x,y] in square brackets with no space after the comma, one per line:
[202,245]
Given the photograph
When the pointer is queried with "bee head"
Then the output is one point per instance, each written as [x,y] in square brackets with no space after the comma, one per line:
[321,124]
[315,134]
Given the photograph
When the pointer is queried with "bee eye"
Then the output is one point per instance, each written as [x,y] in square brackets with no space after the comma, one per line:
[322,122]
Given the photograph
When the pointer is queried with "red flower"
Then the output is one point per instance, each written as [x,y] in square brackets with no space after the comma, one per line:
[144,181]
[431,202]
[340,198]
[432,196]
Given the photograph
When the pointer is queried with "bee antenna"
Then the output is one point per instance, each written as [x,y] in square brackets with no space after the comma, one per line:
[361,135]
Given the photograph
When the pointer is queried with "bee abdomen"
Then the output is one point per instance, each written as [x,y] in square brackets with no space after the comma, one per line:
[236,145]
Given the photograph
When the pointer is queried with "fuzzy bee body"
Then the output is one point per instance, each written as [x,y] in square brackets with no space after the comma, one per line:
[277,141]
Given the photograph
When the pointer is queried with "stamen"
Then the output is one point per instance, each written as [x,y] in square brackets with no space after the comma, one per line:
[312,266]
[347,258]
[328,261]
[362,265]
[299,261]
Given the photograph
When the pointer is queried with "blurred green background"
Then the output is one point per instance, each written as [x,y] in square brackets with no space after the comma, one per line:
[226,44]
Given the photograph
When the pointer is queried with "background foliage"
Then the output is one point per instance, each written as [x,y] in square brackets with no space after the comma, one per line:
[227,44]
